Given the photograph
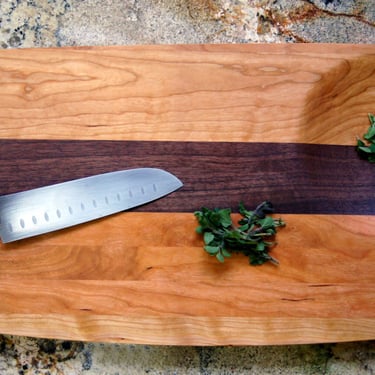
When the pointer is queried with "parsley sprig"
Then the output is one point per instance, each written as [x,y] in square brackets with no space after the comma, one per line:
[366,147]
[252,237]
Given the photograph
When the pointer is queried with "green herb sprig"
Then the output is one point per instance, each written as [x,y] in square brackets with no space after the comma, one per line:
[252,237]
[366,147]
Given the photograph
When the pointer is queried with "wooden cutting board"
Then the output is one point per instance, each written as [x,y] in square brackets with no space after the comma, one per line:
[233,122]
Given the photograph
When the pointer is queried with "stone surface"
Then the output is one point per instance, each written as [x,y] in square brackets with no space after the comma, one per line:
[22,356]
[49,23]
[46,23]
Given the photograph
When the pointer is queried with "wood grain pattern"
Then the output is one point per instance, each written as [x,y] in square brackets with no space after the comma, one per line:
[109,287]
[252,93]
[200,112]
[297,178]
[189,330]
[140,246]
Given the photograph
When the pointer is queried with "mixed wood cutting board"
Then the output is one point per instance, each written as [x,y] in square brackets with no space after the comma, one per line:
[235,123]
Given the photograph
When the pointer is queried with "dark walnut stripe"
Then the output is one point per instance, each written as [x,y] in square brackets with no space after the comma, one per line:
[297,178]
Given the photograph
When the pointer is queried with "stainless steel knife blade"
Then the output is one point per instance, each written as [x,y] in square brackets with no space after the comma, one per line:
[46,209]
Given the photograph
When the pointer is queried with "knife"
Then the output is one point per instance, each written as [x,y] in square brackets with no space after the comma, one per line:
[46,209]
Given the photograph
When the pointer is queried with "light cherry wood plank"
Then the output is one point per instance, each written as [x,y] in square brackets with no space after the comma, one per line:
[126,283]
[187,330]
[253,93]
[164,246]
[182,297]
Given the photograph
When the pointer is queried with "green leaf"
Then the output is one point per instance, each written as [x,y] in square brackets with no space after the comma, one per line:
[208,237]
[360,143]
[365,149]
[266,222]
[244,228]
[271,231]
[212,249]
[226,253]
[225,218]
[233,235]
[220,257]
[260,246]
[243,211]
[370,133]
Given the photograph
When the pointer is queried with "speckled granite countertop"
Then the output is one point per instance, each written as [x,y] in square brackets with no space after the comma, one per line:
[50,23]
[46,23]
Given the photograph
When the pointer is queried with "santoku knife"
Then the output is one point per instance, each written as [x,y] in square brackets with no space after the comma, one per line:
[46,209]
